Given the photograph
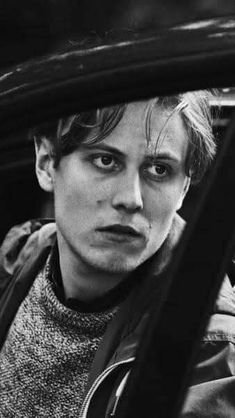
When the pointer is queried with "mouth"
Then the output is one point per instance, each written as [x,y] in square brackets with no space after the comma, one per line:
[120,233]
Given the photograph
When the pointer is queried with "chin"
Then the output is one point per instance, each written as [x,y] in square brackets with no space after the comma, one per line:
[114,264]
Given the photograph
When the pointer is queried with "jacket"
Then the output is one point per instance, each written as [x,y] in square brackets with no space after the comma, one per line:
[211,393]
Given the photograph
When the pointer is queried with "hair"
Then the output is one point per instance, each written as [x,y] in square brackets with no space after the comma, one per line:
[67,134]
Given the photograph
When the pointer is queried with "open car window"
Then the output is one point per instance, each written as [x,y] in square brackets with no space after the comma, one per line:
[128,70]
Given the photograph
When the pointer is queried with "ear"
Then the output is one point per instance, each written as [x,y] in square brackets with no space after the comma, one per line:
[44,165]
[184,192]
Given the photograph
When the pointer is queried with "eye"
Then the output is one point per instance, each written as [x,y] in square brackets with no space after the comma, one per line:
[157,171]
[105,162]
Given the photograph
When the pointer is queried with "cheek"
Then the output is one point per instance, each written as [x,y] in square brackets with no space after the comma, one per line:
[102,193]
[161,209]
[81,197]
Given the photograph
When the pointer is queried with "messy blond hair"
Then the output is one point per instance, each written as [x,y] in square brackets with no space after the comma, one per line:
[91,127]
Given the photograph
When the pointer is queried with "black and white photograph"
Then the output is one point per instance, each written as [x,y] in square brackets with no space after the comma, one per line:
[117,212]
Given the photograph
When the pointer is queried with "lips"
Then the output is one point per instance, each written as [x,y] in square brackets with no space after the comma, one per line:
[122,230]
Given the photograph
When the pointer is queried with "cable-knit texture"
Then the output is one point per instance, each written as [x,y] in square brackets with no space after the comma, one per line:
[46,358]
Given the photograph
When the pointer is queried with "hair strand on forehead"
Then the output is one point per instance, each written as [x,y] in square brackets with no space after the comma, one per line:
[93,126]
[150,109]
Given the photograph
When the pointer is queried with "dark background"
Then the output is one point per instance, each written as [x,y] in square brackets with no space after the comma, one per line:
[29,28]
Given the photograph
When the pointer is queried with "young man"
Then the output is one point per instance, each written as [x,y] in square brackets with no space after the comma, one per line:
[118,175]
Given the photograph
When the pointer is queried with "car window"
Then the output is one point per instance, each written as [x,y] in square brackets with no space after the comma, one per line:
[62,111]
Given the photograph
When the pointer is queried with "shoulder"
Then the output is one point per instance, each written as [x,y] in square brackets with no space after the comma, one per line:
[211,391]
[221,325]
[20,242]
[218,343]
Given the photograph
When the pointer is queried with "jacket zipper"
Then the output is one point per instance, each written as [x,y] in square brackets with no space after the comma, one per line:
[96,384]
[119,393]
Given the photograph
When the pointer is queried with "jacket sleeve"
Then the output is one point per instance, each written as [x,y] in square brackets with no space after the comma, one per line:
[212,389]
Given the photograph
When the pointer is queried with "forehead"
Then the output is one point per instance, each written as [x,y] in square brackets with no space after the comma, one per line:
[149,127]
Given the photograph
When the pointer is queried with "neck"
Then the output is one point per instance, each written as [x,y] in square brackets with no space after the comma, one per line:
[81,281]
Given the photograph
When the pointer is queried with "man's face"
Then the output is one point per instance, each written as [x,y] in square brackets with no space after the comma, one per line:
[115,201]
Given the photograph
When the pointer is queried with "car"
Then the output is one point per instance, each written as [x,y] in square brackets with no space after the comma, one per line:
[127,67]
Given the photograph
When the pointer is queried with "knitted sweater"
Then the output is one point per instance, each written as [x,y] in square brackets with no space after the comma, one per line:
[45,361]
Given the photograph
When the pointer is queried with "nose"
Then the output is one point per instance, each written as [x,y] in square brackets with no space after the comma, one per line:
[128,194]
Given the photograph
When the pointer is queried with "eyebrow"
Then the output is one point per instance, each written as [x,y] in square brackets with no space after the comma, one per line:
[152,157]
[103,147]
[163,156]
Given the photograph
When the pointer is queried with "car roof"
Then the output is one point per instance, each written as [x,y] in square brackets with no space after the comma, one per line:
[126,67]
